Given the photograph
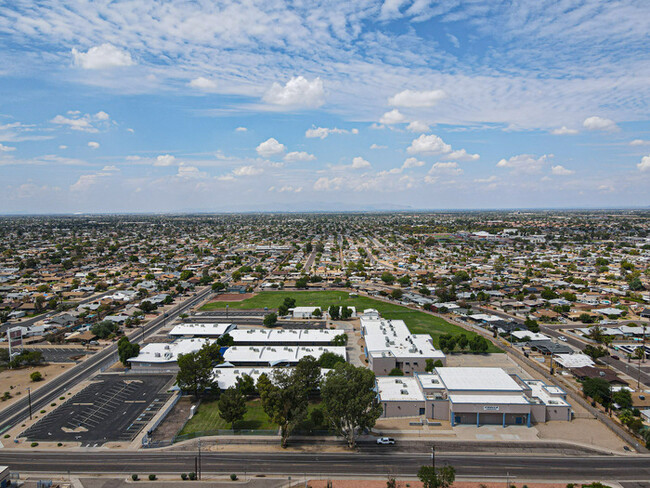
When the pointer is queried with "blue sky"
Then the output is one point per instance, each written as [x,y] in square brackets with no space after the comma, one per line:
[116,106]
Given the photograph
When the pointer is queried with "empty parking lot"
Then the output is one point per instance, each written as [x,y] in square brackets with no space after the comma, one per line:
[112,408]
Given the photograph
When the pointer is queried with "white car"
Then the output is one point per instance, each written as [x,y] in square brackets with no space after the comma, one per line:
[562,338]
[385,440]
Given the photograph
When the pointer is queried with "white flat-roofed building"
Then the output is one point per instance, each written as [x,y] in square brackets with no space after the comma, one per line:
[162,357]
[475,396]
[390,344]
[226,377]
[276,355]
[285,337]
[201,330]
[305,312]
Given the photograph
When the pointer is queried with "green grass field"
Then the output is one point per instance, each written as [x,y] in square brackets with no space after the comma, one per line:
[207,418]
[418,322]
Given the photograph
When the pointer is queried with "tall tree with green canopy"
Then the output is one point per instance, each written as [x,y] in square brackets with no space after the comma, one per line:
[284,399]
[195,371]
[349,401]
[126,350]
[232,406]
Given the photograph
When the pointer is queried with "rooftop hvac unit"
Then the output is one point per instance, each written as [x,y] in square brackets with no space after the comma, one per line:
[167,347]
[404,392]
[156,355]
[168,355]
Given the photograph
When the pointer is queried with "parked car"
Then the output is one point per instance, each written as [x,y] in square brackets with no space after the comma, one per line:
[562,338]
[616,357]
[385,440]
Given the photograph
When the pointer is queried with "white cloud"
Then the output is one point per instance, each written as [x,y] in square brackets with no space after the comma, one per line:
[417,126]
[489,179]
[164,160]
[323,132]
[286,189]
[101,115]
[85,182]
[644,165]
[431,144]
[132,131]
[378,146]
[525,163]
[137,158]
[204,84]
[78,123]
[63,146]
[241,129]
[190,172]
[560,170]
[4,148]
[360,163]
[110,168]
[226,178]
[454,40]
[102,57]
[564,131]
[93,145]
[270,147]
[639,142]
[450,168]
[461,155]
[416,99]
[412,163]
[392,117]
[297,92]
[299,156]
[600,123]
[248,170]
[327,184]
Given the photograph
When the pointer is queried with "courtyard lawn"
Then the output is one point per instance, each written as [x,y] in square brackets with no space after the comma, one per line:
[207,419]
[418,322]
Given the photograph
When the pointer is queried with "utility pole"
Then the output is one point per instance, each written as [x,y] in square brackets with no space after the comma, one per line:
[199,459]
[433,457]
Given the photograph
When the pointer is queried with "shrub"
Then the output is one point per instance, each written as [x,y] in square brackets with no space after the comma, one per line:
[6,436]
[192,476]
[233,477]
[52,404]
[183,476]
[34,444]
[152,477]
[59,444]
[134,477]
[36,376]
[42,411]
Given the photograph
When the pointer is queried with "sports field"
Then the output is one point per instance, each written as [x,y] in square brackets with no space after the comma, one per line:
[418,322]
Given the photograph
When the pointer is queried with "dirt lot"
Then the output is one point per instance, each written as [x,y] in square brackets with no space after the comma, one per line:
[233,297]
[174,421]
[16,381]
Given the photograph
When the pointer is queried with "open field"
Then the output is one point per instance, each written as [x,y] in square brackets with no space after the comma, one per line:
[207,418]
[417,322]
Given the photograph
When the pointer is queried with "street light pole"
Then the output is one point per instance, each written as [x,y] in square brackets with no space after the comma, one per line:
[29,397]
[433,457]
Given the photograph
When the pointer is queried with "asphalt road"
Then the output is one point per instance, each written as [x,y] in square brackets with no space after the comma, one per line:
[58,386]
[562,468]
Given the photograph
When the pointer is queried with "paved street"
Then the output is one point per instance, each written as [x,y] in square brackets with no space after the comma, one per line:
[562,468]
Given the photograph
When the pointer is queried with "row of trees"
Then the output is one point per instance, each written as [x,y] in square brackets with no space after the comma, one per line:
[477,344]
[348,399]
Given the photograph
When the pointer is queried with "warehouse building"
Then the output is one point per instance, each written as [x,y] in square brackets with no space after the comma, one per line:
[474,396]
[277,355]
[389,344]
[213,331]
[288,337]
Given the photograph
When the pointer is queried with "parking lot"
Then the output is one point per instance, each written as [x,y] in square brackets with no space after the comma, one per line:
[61,354]
[114,407]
